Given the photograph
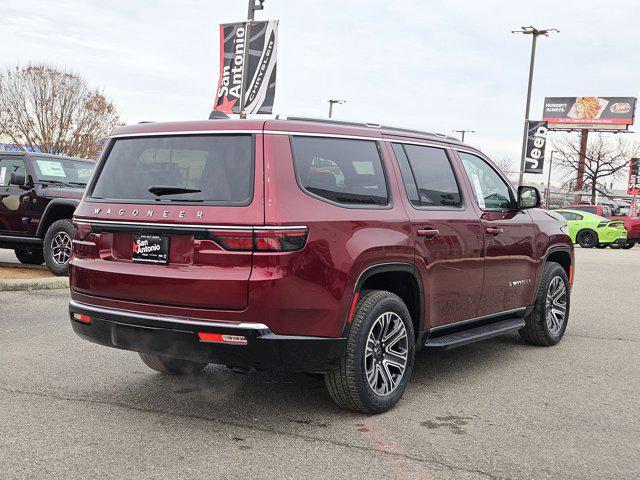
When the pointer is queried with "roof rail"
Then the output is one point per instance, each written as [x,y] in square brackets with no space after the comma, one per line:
[419,132]
[324,120]
[368,125]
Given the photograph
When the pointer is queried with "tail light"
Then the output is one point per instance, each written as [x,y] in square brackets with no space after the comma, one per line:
[82,318]
[234,240]
[81,230]
[222,338]
[84,240]
[262,239]
[611,224]
[288,240]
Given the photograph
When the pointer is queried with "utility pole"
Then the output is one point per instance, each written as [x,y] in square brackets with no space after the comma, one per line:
[548,199]
[535,33]
[331,102]
[462,132]
[253,6]
[584,143]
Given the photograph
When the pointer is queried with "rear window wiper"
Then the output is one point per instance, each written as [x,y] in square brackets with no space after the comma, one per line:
[57,182]
[160,190]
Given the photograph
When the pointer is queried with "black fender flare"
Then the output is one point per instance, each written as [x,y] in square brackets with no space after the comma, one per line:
[52,205]
[385,268]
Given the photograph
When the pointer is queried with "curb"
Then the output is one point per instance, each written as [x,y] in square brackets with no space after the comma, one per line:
[34,284]
[23,266]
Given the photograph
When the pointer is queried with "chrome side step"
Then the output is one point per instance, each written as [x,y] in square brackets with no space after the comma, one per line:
[457,339]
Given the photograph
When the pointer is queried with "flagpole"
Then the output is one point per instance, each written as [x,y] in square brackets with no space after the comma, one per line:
[245,62]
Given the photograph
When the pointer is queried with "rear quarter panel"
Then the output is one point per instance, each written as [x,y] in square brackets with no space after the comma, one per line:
[311,291]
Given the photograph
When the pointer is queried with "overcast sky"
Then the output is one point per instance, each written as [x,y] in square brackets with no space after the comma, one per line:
[434,65]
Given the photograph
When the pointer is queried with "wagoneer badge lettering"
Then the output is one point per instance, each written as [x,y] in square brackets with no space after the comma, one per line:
[150,213]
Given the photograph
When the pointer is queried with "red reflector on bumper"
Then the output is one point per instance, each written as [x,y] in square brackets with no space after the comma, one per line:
[82,318]
[222,338]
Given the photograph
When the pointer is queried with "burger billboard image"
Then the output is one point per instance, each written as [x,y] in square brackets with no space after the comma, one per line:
[595,113]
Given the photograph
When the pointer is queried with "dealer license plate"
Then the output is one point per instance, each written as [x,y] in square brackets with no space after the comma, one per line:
[150,249]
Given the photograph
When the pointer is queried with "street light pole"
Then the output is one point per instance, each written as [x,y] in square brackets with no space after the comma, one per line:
[331,102]
[462,132]
[253,6]
[535,33]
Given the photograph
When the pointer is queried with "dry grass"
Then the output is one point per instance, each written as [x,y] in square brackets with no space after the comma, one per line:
[10,271]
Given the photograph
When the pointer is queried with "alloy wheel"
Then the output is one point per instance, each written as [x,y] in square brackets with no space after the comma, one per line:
[61,248]
[386,353]
[556,305]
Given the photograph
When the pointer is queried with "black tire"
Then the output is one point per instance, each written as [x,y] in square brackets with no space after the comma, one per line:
[602,245]
[537,330]
[587,238]
[59,231]
[348,385]
[171,366]
[29,256]
[628,245]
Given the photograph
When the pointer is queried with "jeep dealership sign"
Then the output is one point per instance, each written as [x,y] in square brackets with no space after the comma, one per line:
[595,113]
[536,141]
[257,80]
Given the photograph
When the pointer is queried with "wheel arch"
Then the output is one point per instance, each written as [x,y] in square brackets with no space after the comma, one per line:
[400,278]
[562,257]
[56,209]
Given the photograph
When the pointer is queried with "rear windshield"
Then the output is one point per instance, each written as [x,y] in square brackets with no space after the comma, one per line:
[215,169]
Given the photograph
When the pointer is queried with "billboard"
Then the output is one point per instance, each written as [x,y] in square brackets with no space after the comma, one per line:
[536,141]
[257,80]
[594,113]
[633,185]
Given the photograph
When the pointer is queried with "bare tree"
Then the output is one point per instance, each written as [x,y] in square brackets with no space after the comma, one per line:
[606,160]
[54,111]
[505,164]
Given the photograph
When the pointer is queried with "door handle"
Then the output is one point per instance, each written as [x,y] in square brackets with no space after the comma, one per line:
[428,232]
[494,230]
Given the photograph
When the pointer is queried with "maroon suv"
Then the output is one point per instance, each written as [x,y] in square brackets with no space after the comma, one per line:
[312,246]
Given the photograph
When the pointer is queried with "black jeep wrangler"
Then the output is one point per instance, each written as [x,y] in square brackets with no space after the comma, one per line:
[38,195]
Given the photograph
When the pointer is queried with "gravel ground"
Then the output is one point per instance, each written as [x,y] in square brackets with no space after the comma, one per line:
[498,409]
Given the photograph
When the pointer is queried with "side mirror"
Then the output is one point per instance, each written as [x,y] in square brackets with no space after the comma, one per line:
[528,197]
[18,179]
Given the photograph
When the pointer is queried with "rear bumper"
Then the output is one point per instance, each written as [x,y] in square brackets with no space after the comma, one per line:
[178,337]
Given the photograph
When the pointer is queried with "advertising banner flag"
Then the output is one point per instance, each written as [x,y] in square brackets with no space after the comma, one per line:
[256,44]
[536,142]
[596,113]
[633,185]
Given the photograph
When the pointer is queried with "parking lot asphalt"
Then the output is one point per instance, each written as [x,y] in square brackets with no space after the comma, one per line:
[498,409]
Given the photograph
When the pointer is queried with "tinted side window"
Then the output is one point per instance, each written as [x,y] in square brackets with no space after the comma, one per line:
[7,167]
[407,174]
[569,216]
[586,209]
[341,170]
[492,193]
[437,186]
